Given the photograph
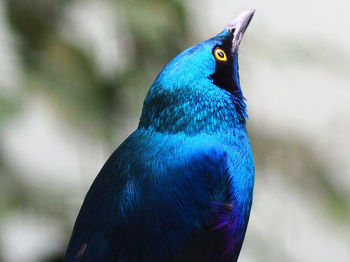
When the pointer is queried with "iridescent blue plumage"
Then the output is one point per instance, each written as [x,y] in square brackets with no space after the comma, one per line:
[180,187]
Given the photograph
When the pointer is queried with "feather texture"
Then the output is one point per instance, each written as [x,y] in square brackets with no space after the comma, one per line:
[180,187]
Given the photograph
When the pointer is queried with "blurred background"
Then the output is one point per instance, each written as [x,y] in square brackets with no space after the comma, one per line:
[73,76]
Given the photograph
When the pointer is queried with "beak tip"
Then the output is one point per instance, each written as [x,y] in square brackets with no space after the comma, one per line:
[242,18]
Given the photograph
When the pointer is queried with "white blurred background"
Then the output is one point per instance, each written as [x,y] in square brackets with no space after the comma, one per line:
[73,78]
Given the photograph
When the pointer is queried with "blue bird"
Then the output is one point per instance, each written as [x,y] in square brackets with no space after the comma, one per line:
[180,187]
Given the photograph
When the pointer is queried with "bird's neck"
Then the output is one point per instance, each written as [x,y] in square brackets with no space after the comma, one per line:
[193,113]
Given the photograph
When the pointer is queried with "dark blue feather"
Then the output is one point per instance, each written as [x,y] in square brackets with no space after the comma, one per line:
[180,187]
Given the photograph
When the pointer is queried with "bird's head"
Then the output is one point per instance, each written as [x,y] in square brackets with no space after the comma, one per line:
[199,90]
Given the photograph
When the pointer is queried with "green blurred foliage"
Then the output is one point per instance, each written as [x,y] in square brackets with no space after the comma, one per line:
[301,166]
[67,74]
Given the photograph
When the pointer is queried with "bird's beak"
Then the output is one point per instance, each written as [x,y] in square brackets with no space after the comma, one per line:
[238,26]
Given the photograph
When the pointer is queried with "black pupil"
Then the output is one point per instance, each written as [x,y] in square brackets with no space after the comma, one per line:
[220,53]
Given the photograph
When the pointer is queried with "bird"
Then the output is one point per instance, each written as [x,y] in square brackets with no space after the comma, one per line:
[180,187]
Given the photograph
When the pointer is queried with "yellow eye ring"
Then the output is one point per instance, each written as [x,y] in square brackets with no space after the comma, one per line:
[220,54]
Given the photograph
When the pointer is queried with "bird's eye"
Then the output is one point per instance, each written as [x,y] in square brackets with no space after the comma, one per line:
[220,54]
